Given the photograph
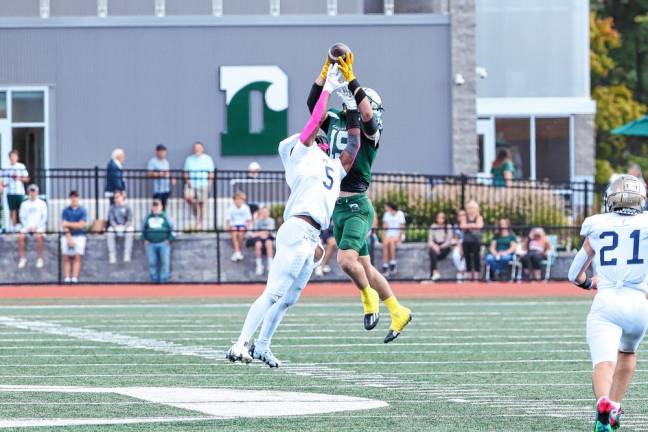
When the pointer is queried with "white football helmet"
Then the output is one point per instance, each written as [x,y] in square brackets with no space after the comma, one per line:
[376,104]
[626,195]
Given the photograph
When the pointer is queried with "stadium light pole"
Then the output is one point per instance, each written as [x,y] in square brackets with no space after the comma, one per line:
[44,8]
[102,8]
[217,8]
[332,7]
[160,8]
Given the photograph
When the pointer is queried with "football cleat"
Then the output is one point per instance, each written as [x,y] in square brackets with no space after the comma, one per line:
[603,410]
[615,418]
[371,320]
[238,353]
[371,306]
[267,357]
[398,324]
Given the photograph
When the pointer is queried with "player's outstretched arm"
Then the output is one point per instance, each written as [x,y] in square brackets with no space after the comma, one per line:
[333,82]
[316,89]
[581,262]
[350,152]
[369,123]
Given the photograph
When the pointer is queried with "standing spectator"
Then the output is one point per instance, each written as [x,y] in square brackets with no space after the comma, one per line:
[263,237]
[439,243]
[115,174]
[33,219]
[158,169]
[537,248]
[14,178]
[74,241]
[502,169]
[199,173]
[328,240]
[254,168]
[457,249]
[120,224]
[157,233]
[238,220]
[472,238]
[394,233]
[502,248]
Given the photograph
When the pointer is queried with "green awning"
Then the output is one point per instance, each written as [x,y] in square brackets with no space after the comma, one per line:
[634,128]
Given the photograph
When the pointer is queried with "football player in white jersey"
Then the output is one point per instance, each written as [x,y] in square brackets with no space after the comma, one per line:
[616,244]
[314,180]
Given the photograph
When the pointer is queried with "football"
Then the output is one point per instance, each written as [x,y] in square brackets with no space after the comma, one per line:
[338,50]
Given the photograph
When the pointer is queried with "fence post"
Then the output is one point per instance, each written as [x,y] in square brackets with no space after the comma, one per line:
[218,258]
[96,191]
[58,254]
[464,179]
[215,190]
[586,197]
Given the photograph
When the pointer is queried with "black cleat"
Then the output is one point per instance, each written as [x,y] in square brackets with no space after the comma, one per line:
[371,320]
[393,334]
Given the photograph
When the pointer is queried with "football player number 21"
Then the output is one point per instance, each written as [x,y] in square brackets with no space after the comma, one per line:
[615,242]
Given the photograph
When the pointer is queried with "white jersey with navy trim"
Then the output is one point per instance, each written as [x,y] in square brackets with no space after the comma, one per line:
[621,247]
[314,180]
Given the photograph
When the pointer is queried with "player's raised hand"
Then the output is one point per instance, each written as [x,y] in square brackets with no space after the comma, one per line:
[325,68]
[347,98]
[346,66]
[334,79]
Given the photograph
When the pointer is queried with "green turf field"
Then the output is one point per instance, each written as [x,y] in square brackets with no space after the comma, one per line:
[473,365]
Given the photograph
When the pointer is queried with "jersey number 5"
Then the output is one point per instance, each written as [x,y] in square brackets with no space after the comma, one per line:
[615,242]
[329,177]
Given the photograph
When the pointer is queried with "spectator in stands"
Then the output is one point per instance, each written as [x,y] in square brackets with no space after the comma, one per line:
[157,234]
[199,173]
[33,221]
[472,238]
[439,243]
[115,174]
[537,248]
[158,169]
[73,242]
[238,220]
[254,168]
[502,169]
[262,238]
[394,233]
[502,248]
[457,249]
[14,178]
[328,240]
[120,224]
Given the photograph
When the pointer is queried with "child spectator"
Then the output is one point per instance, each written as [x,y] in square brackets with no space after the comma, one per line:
[472,237]
[439,243]
[394,226]
[262,237]
[33,219]
[537,248]
[238,220]
[157,234]
[502,248]
[457,249]
[14,178]
[74,241]
[120,224]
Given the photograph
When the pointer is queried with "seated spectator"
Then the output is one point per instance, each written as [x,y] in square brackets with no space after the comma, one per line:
[394,233]
[157,234]
[502,248]
[457,248]
[33,221]
[328,240]
[471,228]
[238,220]
[73,242]
[537,248]
[439,243]
[120,224]
[262,237]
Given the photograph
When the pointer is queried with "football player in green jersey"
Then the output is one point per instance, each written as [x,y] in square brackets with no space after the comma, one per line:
[354,212]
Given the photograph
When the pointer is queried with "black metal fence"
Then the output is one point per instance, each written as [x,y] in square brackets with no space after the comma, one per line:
[419,196]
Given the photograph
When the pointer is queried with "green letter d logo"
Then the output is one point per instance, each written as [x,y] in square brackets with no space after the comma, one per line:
[239,83]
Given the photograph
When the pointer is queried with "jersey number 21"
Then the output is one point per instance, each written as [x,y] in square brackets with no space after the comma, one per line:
[615,243]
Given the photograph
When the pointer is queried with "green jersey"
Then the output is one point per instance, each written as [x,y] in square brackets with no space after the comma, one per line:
[358,178]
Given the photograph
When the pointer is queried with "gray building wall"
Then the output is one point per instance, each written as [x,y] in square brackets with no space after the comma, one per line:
[116,83]
[584,146]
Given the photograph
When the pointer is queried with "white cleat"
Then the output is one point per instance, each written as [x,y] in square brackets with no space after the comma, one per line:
[238,352]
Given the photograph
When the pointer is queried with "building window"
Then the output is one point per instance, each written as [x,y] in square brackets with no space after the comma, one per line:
[514,135]
[552,149]
[28,107]
[3,105]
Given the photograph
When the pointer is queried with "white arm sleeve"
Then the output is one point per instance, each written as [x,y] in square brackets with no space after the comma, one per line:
[577,266]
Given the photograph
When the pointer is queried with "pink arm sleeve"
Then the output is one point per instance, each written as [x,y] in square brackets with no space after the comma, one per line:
[316,117]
